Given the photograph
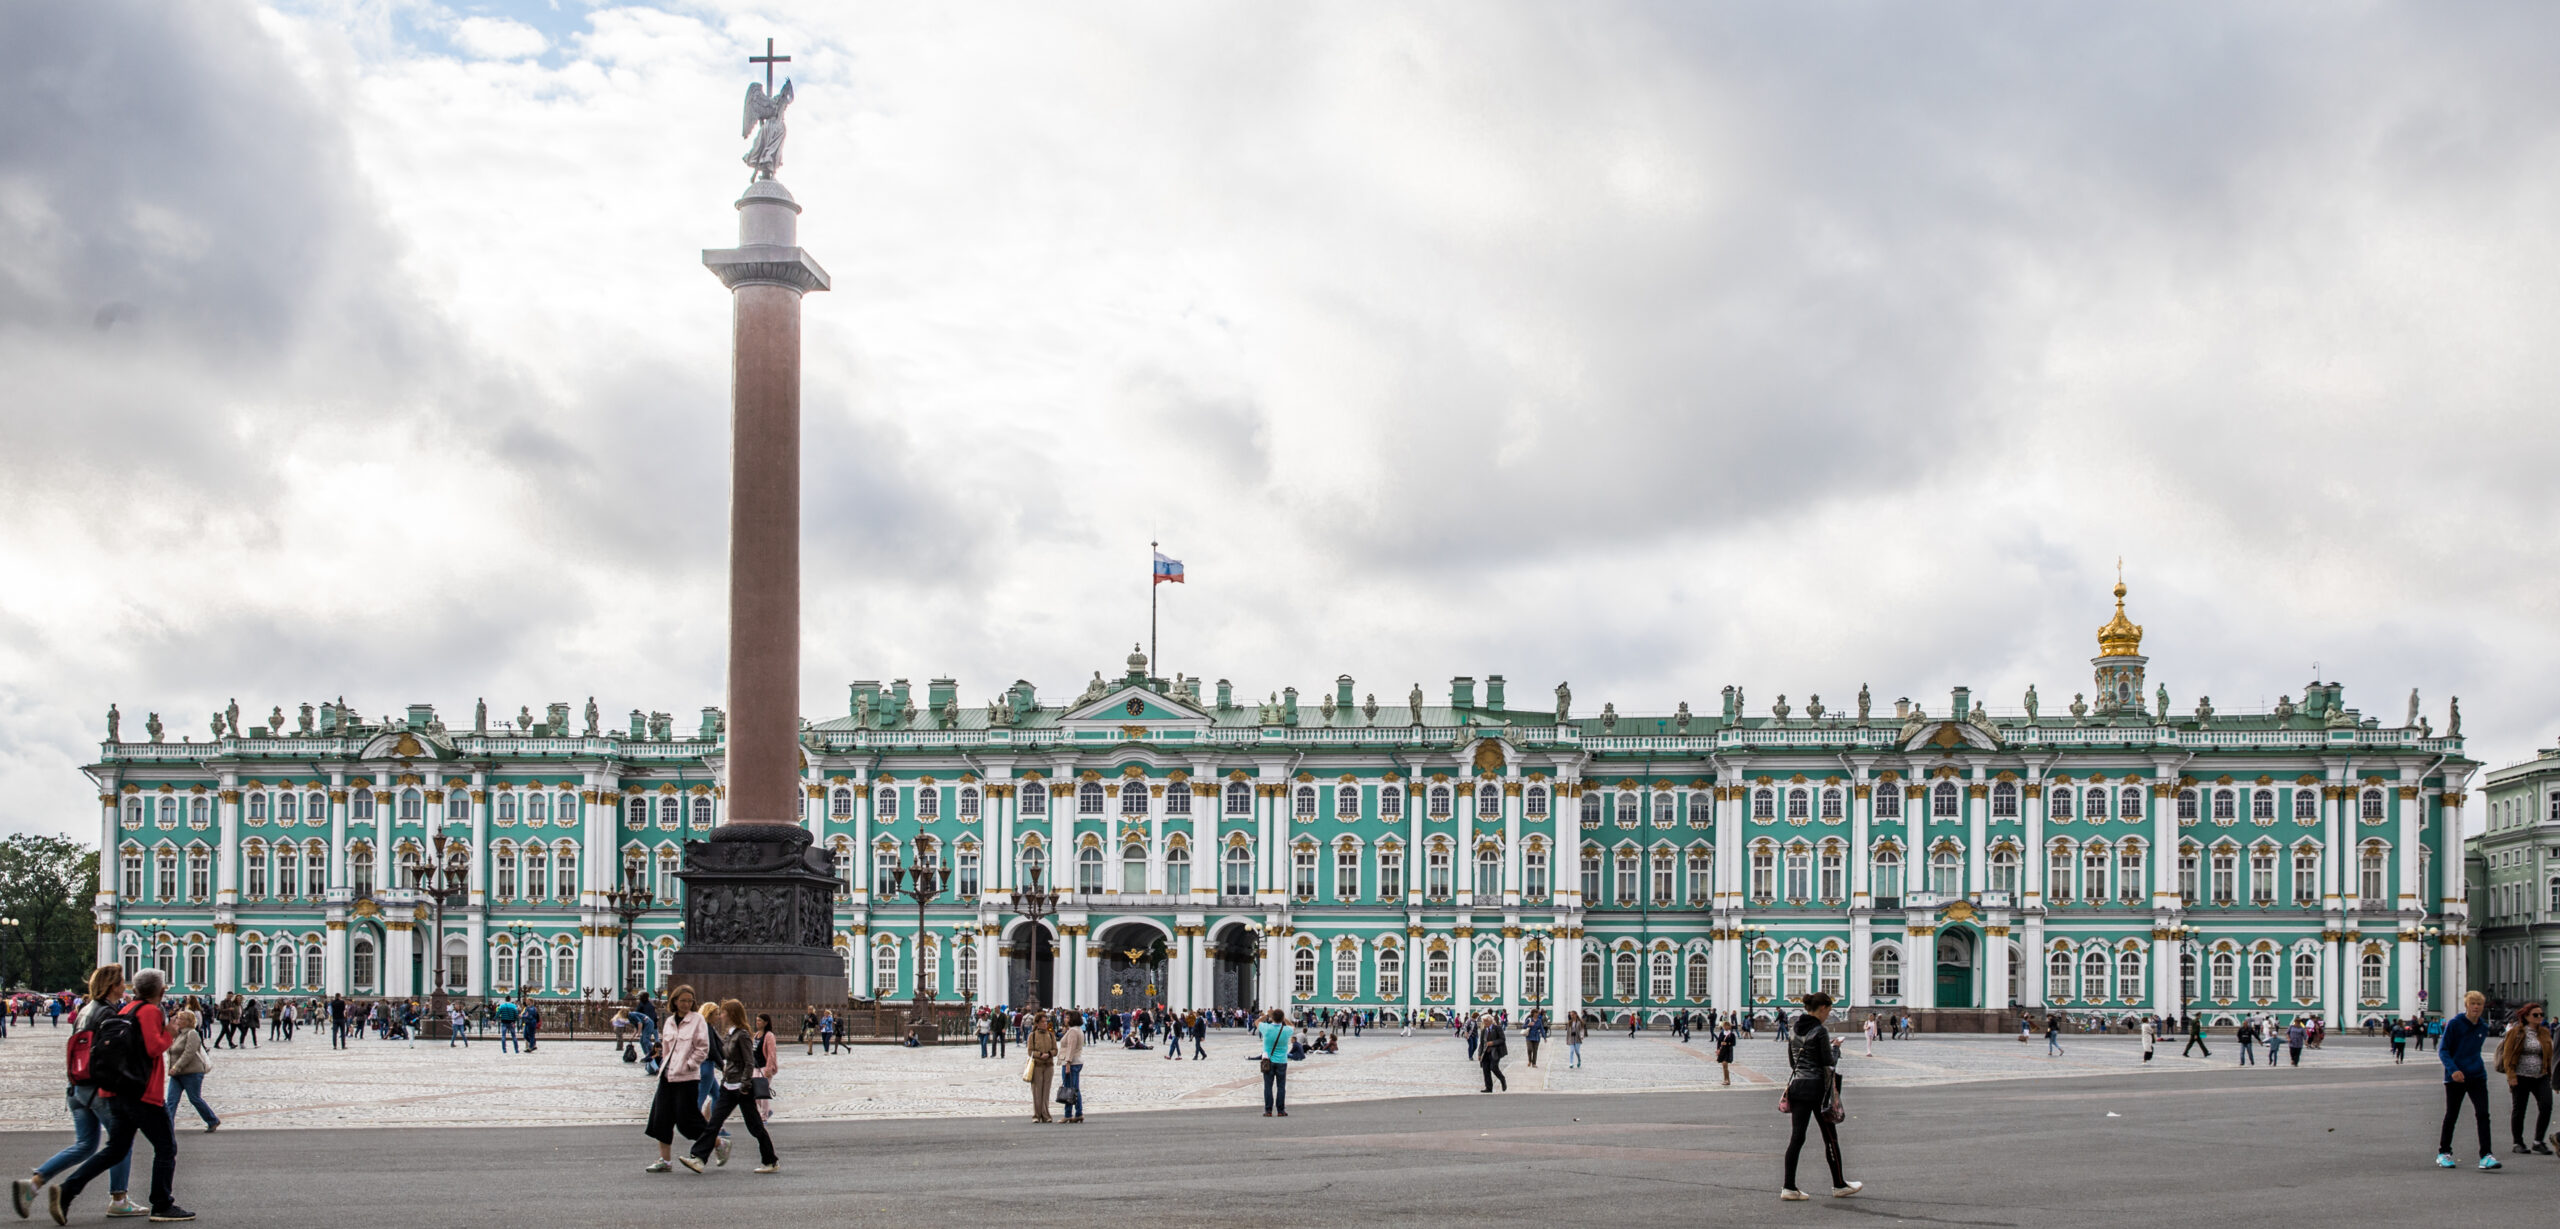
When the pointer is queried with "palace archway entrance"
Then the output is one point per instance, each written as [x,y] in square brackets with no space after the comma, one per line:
[1234,985]
[1029,950]
[1133,961]
[1956,962]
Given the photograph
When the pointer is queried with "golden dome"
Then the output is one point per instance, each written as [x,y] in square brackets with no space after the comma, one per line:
[2121,637]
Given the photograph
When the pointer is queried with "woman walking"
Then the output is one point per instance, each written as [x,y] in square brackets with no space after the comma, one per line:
[1726,1039]
[187,1065]
[675,1108]
[769,1061]
[1043,1048]
[1071,1071]
[143,1111]
[1275,1064]
[734,1057]
[1575,1029]
[1813,1094]
[91,1117]
[2525,1059]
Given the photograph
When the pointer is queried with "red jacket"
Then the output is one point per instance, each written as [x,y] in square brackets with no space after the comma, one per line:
[155,1039]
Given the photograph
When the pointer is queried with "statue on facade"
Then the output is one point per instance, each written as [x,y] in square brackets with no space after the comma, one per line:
[764,121]
[1813,706]
[113,719]
[1369,707]
[2453,719]
[2164,701]
[2426,728]
[1327,708]
[591,717]
[1564,703]
[1094,690]
[1866,704]
[1608,717]
[2079,707]
[2284,708]
[231,715]
[906,713]
[2031,702]
[303,722]
[151,726]
[1780,708]
[2412,720]
[1413,700]
[1680,719]
[2204,711]
[2336,717]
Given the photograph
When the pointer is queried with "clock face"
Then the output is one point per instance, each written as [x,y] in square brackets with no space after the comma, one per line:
[1134,707]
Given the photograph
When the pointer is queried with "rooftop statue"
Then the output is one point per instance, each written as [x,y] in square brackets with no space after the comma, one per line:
[1865,703]
[113,718]
[2453,719]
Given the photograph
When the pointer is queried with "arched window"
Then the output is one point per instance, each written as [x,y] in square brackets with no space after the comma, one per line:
[969,808]
[2004,801]
[635,810]
[359,871]
[1302,973]
[1943,802]
[253,965]
[2262,804]
[2129,976]
[1133,867]
[702,810]
[884,969]
[1488,801]
[1946,874]
[1391,802]
[1799,974]
[2057,975]
[2262,975]
[1488,975]
[1035,798]
[839,804]
[1239,798]
[1626,809]
[1089,799]
[2129,802]
[1488,873]
[2306,805]
[1624,968]
[1591,810]
[1884,967]
[506,808]
[1177,871]
[1830,968]
[2306,976]
[1663,967]
[1764,804]
[1089,870]
[360,805]
[1665,813]
[1701,813]
[257,806]
[1238,872]
[1134,796]
[2225,806]
[1346,972]
[1346,802]
[1888,801]
[1701,983]
[2372,804]
[2226,971]
[362,971]
[2094,971]
[1799,804]
[1435,973]
[1439,802]
[1533,803]
[287,811]
[1764,976]
[1390,974]
[2004,870]
[2058,802]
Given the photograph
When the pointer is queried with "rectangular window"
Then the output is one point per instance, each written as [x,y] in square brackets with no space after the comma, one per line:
[2371,881]
[884,873]
[1488,874]
[1035,798]
[1666,874]
[1391,802]
[256,887]
[132,876]
[1534,874]
[1888,803]
[1391,874]
[1764,874]
[2057,880]
[1346,873]
[967,882]
[2187,876]
[2262,876]
[2226,872]
[1799,874]
[168,876]
[1302,880]
[968,804]
[1438,867]
[1435,976]
[1888,893]
[1834,872]
[1591,889]
[2129,883]
[1627,871]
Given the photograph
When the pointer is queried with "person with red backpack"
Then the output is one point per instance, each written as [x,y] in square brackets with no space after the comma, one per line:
[91,1119]
[125,1062]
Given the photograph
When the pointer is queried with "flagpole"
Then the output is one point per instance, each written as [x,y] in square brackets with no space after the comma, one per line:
[1152,585]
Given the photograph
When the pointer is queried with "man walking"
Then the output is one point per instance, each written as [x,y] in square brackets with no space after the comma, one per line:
[2465,1078]
[2195,1038]
[337,1022]
[2053,1036]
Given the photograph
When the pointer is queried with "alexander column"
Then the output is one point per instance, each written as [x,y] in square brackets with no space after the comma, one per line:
[759,900]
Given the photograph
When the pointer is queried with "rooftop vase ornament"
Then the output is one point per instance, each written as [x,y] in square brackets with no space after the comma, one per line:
[1781,708]
[1813,707]
[303,722]
[151,726]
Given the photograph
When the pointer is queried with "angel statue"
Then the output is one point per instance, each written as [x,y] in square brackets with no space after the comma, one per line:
[764,120]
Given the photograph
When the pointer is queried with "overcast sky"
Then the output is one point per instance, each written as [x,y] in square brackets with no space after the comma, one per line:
[365,349]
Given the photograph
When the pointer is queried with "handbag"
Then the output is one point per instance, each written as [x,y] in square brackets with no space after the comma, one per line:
[1832,1110]
[762,1087]
[1028,1066]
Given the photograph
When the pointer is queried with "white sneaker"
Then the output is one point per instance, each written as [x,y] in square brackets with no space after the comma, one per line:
[657,1167]
[776,1167]
[691,1162]
[1843,1192]
[1791,1195]
[720,1151]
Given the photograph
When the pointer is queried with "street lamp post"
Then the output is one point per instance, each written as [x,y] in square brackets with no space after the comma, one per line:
[629,902]
[440,879]
[1034,903]
[924,881]
[8,928]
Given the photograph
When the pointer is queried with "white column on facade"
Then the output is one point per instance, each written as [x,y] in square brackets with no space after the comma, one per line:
[2031,978]
[1156,809]
[1995,968]
[333,957]
[1977,833]
[338,795]
[1062,833]
[1862,990]
[1207,860]
[1462,969]
[1732,987]
[1417,857]
[2032,858]
[104,906]
[2338,980]
[1086,968]
[2454,979]
[1512,864]
[226,885]
[1416,963]
[858,949]
[1511,970]
[1861,816]
[399,944]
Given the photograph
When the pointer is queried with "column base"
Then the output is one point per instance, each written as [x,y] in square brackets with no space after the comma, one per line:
[759,921]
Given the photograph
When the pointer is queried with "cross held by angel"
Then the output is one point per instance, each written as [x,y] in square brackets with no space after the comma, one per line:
[763,121]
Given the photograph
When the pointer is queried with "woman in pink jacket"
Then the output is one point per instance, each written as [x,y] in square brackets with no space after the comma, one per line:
[677,1106]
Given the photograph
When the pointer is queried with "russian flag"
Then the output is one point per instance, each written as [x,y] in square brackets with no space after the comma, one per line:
[1167,569]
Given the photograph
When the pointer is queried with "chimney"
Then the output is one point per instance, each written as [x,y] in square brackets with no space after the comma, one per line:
[1226,695]
[1462,692]
[1289,706]
[1493,692]
[1342,697]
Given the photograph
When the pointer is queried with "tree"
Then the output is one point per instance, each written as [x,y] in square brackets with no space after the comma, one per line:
[47,883]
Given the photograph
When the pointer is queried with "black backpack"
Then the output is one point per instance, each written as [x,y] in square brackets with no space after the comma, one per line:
[119,1064]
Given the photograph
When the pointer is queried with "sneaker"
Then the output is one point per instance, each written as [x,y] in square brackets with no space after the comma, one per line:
[2541,1149]
[171,1213]
[657,1167]
[776,1167]
[2490,1162]
[1791,1195]
[690,1161]
[720,1151]
[22,1197]
[1843,1192]
[2444,1160]
[127,1207]
[58,1206]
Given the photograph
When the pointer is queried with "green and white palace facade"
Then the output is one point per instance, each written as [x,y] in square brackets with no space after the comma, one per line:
[1452,853]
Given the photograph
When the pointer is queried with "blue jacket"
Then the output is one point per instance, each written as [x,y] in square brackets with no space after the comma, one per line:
[2460,1049]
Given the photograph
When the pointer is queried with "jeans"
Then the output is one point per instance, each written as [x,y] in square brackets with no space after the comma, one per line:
[148,1121]
[1071,1090]
[1806,1109]
[1573,1054]
[193,1086]
[2246,1053]
[1275,1089]
[2529,1090]
[507,1037]
[2477,1091]
[337,1034]
[982,1045]
[91,1119]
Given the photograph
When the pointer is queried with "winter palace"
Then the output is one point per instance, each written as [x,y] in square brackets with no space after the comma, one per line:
[1451,852]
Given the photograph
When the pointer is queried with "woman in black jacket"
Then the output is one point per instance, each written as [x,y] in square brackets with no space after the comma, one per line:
[1813,1086]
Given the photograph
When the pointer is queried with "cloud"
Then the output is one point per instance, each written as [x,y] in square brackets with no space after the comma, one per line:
[1651,348]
